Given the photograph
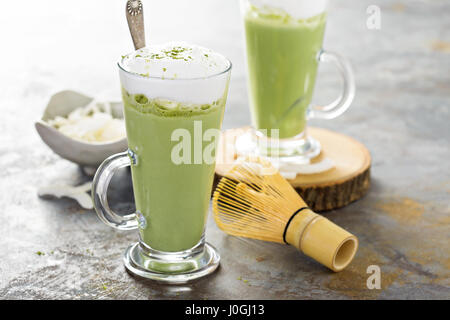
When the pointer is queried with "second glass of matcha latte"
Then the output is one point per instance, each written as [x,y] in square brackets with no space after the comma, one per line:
[284,48]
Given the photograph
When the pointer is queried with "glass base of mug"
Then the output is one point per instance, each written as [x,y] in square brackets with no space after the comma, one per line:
[301,148]
[171,267]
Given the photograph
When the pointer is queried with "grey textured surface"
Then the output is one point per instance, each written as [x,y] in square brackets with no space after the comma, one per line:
[401,113]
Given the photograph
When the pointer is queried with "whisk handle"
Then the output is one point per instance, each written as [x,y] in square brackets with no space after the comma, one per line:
[322,240]
[297,225]
[290,220]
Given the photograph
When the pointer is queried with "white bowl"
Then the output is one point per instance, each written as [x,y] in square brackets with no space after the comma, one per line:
[82,153]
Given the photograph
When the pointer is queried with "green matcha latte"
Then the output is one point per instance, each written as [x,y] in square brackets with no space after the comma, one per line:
[170,89]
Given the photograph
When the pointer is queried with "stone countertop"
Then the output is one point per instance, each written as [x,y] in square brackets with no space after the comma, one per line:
[401,113]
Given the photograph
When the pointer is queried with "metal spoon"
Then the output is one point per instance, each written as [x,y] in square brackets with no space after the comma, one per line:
[135,17]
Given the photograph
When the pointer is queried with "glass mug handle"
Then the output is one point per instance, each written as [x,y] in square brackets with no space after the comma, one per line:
[100,185]
[341,104]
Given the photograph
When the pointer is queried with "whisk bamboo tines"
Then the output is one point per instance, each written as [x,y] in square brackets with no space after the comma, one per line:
[253,200]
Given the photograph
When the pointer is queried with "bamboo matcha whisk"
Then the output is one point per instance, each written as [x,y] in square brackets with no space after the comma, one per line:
[253,200]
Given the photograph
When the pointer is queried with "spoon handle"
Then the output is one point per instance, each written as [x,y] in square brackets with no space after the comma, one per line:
[135,17]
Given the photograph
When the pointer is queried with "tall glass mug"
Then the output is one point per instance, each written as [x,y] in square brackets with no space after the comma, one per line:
[284,47]
[173,122]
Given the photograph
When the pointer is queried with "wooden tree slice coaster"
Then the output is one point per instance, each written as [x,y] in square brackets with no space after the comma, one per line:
[348,181]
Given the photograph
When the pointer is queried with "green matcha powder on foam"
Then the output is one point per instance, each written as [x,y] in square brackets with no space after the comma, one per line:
[176,53]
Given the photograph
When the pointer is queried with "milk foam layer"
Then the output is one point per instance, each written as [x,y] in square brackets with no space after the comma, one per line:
[299,9]
[176,71]
[175,60]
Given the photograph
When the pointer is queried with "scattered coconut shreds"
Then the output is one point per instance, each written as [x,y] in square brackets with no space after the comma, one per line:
[78,193]
[92,123]
[289,169]
[288,175]
[322,166]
